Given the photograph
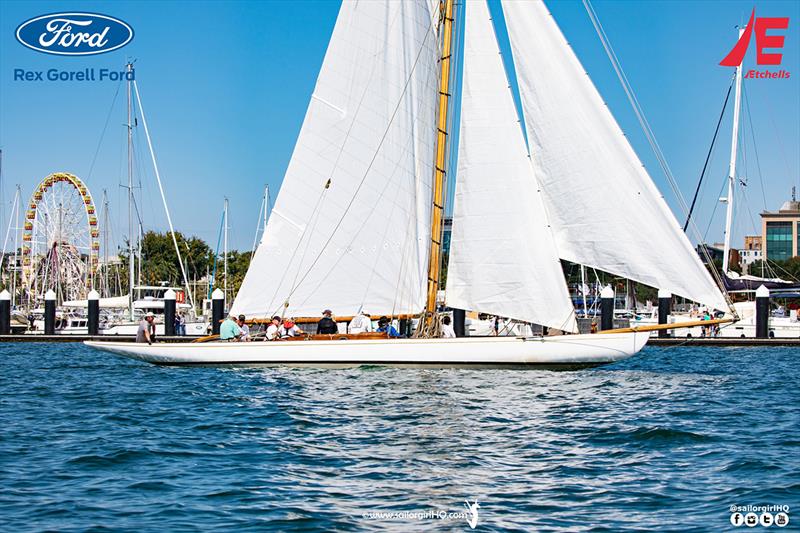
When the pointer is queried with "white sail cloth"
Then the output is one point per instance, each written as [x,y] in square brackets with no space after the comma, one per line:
[369,129]
[603,207]
[502,255]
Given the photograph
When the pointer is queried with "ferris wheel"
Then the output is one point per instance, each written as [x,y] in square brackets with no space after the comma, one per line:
[60,240]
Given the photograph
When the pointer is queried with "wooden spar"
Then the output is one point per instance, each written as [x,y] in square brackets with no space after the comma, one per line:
[435,258]
[315,319]
[369,335]
[676,325]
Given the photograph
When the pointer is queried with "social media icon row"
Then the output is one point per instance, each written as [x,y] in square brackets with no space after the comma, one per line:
[765,520]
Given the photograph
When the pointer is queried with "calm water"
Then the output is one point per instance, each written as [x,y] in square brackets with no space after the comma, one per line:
[668,440]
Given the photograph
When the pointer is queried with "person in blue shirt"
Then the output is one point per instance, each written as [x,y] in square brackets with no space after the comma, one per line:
[229,330]
[385,327]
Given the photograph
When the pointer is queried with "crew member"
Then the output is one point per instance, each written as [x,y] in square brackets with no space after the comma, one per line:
[327,325]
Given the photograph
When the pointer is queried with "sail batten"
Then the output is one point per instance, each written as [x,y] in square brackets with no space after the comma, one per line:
[604,208]
[350,225]
[503,259]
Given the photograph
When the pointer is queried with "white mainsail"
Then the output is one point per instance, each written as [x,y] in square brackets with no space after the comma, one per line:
[361,243]
[502,255]
[603,207]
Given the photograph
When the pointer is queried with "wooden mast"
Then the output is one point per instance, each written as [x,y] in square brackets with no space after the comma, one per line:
[435,257]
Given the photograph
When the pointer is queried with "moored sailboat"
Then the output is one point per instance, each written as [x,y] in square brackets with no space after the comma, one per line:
[357,224]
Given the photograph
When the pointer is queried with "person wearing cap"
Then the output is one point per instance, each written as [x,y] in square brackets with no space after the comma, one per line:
[273,329]
[361,323]
[244,328]
[289,329]
[384,326]
[146,329]
[327,325]
[229,330]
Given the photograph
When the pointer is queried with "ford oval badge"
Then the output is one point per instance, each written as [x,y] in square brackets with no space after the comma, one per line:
[74,34]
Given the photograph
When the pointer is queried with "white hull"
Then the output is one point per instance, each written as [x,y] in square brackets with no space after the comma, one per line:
[559,352]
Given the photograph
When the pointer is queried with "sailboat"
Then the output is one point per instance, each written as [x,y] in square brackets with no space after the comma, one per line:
[357,224]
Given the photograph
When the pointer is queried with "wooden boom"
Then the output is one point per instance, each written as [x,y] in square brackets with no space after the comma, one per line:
[676,325]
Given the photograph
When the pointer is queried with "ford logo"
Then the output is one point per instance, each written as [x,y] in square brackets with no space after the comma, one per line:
[74,34]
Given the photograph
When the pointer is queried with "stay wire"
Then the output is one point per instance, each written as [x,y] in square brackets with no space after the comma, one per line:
[708,156]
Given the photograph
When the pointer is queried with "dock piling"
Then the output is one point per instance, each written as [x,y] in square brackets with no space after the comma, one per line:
[169,312]
[217,310]
[93,307]
[762,312]
[664,309]
[607,308]
[5,313]
[50,313]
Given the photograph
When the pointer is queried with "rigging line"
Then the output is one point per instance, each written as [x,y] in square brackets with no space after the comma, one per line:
[105,127]
[258,225]
[294,253]
[361,101]
[778,138]
[755,148]
[313,225]
[8,228]
[372,161]
[645,125]
[708,156]
[744,202]
[163,197]
[407,149]
[713,212]
[357,234]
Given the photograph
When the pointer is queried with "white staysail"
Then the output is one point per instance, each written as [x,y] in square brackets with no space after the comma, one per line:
[502,255]
[362,242]
[604,208]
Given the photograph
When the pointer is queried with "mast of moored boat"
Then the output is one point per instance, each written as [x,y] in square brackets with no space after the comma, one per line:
[129,78]
[732,167]
[225,254]
[435,256]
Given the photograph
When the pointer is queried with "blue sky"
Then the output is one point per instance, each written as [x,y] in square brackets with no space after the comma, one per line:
[225,87]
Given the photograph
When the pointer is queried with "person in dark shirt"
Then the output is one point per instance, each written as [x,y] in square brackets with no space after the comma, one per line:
[327,325]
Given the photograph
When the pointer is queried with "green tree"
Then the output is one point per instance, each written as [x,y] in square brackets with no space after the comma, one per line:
[160,260]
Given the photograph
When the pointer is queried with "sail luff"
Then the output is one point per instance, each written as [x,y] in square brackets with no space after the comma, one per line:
[503,259]
[605,210]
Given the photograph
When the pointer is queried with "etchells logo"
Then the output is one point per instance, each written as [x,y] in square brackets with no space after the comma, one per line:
[764,41]
[74,34]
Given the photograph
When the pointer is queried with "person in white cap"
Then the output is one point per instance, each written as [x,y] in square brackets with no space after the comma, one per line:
[146,329]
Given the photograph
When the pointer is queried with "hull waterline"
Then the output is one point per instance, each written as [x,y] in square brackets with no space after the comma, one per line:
[562,352]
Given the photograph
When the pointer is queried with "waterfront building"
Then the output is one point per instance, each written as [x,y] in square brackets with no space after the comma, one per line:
[780,231]
[751,252]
